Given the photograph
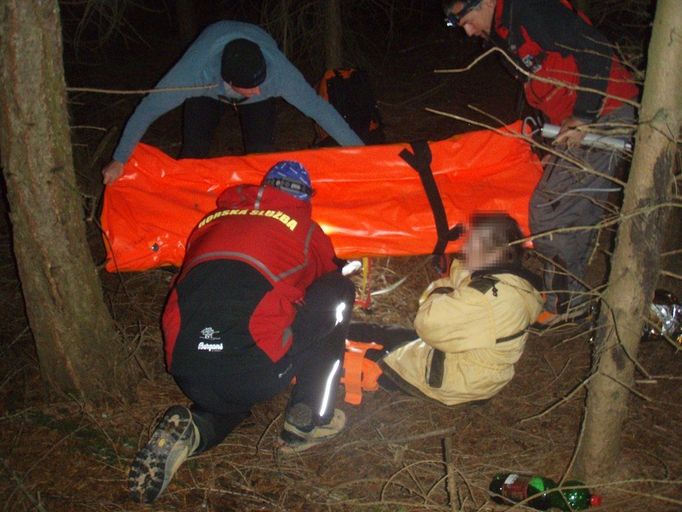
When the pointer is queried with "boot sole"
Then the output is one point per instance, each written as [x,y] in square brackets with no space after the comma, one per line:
[306,440]
[156,463]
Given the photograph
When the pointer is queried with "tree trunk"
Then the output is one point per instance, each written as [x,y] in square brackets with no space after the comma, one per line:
[333,45]
[636,260]
[78,349]
[284,8]
[671,260]
[186,13]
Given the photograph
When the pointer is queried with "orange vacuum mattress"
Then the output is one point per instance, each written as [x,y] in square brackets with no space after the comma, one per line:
[369,200]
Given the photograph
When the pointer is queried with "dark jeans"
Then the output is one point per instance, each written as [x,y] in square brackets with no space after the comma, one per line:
[222,399]
[202,114]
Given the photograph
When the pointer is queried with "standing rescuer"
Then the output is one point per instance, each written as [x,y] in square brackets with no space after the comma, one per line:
[230,65]
[259,300]
[576,82]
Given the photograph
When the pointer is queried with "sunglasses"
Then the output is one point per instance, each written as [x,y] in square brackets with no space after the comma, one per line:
[452,20]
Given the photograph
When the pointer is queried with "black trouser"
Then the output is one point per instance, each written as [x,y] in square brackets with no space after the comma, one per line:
[202,114]
[390,336]
[567,207]
[223,399]
[320,330]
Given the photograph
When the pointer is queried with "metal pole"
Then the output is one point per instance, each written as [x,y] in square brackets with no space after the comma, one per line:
[550,131]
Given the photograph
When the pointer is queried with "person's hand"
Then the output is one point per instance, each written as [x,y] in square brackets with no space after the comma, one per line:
[111,172]
[571,133]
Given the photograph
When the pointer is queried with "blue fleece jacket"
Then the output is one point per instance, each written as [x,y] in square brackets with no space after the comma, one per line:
[197,73]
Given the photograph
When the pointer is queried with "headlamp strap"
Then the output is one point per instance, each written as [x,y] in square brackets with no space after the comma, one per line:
[293,186]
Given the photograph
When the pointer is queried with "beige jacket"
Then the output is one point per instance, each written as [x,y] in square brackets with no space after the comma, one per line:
[470,338]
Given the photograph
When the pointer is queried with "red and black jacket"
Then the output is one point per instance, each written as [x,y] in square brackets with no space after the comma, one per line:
[273,233]
[550,39]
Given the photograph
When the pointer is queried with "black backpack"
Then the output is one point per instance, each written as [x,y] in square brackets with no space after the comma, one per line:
[350,91]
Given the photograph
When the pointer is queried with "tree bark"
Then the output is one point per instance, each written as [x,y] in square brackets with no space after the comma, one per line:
[333,43]
[284,8]
[636,260]
[186,13]
[671,260]
[78,349]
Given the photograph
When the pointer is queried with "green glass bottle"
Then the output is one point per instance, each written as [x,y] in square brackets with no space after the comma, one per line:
[513,488]
[579,498]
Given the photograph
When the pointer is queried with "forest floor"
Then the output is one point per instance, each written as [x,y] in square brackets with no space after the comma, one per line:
[398,453]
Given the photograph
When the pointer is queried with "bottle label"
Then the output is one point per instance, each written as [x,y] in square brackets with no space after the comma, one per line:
[515,487]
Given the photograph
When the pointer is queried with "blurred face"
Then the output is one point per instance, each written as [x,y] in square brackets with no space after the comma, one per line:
[246,92]
[478,21]
[477,253]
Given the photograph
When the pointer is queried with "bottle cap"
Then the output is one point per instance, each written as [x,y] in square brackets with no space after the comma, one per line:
[595,500]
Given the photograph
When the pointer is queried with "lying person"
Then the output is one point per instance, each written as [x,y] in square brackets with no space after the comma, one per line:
[471,325]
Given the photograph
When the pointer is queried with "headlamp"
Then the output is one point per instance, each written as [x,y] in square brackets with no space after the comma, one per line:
[452,20]
[295,187]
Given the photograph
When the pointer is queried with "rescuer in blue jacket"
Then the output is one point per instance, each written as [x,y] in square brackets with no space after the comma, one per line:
[230,65]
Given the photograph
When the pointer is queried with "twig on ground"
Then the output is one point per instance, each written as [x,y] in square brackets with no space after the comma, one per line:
[558,402]
[20,485]
[450,472]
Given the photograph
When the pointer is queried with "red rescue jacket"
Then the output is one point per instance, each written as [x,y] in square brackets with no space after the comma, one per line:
[273,232]
[552,40]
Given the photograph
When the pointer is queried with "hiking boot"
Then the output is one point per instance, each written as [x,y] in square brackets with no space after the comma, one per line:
[174,439]
[296,438]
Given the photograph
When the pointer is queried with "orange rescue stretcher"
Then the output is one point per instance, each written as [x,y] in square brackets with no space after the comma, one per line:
[370,200]
[394,199]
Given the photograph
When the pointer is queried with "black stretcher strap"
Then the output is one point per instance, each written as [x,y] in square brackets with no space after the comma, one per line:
[420,160]
[510,337]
